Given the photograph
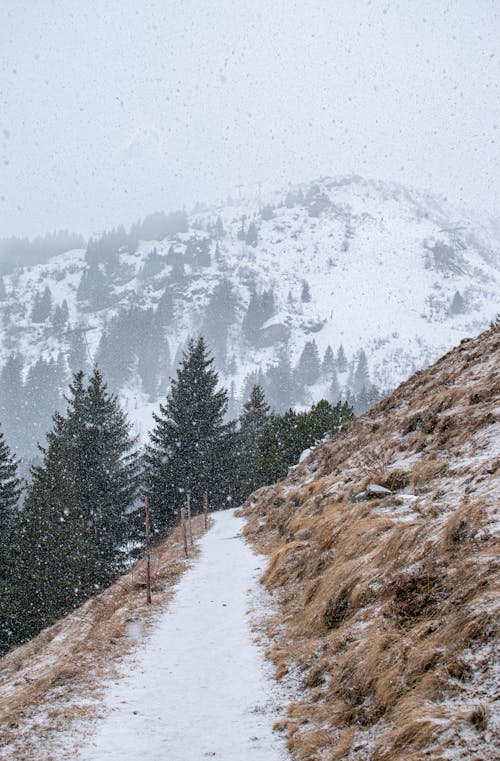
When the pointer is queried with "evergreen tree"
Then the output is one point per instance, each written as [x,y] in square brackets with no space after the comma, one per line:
[255,378]
[361,375]
[253,420]
[305,295]
[11,401]
[220,315]
[77,350]
[190,446]
[177,273]
[251,237]
[42,395]
[94,288]
[280,386]
[241,232]
[61,314]
[219,229]
[286,436]
[341,360]
[260,308]
[165,310]
[153,265]
[77,514]
[457,305]
[328,366]
[42,306]
[3,291]
[334,390]
[10,491]
[308,367]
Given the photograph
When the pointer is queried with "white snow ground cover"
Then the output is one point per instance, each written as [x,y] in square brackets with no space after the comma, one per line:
[200,688]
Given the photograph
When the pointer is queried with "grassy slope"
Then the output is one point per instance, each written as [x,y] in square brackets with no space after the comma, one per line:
[54,682]
[388,611]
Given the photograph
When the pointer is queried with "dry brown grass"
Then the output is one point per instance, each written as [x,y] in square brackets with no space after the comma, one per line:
[43,682]
[389,608]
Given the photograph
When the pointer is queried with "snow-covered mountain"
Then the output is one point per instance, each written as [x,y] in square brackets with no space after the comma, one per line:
[376,268]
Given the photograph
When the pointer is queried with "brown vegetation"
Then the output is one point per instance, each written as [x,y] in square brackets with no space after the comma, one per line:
[57,678]
[389,606]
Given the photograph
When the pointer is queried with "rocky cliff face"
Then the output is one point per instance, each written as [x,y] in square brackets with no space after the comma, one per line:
[383,549]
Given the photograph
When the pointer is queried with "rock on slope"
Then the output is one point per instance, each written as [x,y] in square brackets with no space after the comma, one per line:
[388,612]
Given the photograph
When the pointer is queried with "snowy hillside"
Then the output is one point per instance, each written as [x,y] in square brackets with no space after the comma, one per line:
[383,548]
[327,262]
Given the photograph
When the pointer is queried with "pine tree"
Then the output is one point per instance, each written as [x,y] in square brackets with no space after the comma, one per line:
[220,315]
[458,304]
[190,446]
[94,288]
[334,390]
[153,265]
[255,378]
[219,229]
[11,401]
[341,360]
[42,395]
[77,514]
[328,366]
[253,420]
[42,306]
[77,349]
[251,237]
[10,491]
[286,436]
[361,374]
[305,295]
[280,386]
[260,308]
[308,367]
[165,310]
[61,314]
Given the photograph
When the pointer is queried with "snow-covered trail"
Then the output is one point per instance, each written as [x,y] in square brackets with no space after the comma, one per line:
[200,688]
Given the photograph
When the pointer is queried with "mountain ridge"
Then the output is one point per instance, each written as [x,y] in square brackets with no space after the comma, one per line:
[333,257]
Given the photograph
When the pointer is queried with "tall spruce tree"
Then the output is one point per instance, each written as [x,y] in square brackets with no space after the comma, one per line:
[308,367]
[191,448]
[253,420]
[328,366]
[42,306]
[10,491]
[361,378]
[77,516]
[341,360]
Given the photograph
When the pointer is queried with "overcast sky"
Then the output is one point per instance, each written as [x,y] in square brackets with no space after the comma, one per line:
[111,110]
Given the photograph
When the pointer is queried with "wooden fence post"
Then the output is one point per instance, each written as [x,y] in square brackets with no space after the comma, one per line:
[148,553]
[189,518]
[184,531]
[205,510]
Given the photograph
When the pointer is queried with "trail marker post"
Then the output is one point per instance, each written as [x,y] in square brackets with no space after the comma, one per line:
[205,510]
[189,518]
[148,552]
[184,531]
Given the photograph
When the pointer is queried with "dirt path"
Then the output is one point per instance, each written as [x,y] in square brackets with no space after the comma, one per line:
[200,687]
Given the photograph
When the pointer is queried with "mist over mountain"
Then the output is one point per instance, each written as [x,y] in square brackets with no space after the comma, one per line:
[337,288]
